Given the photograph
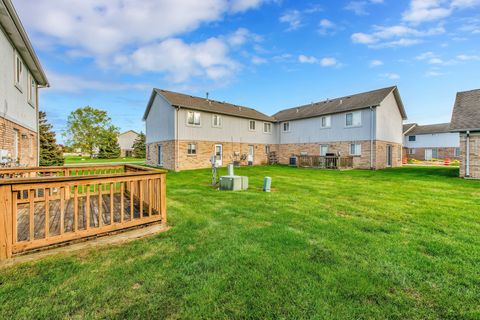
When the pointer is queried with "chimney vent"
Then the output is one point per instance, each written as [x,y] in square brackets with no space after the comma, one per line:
[207,94]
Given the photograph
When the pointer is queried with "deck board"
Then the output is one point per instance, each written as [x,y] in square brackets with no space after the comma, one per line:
[23,224]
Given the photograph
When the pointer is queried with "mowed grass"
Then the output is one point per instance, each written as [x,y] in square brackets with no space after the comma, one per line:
[79,160]
[392,244]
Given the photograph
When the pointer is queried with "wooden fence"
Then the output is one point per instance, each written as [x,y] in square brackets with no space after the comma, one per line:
[41,207]
[325,162]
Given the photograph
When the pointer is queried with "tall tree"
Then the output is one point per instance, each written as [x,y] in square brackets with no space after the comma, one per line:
[139,149]
[50,153]
[108,147]
[86,129]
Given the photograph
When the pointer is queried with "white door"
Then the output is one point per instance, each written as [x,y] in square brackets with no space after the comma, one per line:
[218,154]
[250,154]
[389,156]
[428,154]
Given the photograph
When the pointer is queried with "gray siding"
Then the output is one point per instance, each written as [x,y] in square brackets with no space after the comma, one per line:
[160,122]
[14,104]
[389,120]
[233,129]
[310,131]
[435,140]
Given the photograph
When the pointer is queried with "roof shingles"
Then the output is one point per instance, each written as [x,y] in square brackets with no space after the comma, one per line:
[466,111]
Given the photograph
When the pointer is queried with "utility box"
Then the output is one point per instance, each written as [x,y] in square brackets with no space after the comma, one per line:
[233,183]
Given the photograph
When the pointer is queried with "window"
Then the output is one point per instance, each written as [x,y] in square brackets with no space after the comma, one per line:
[326,122]
[267,127]
[192,149]
[286,127]
[412,138]
[216,121]
[435,153]
[18,71]
[457,152]
[267,149]
[31,90]
[411,151]
[353,119]
[251,125]
[323,150]
[355,149]
[193,118]
[32,145]
[148,152]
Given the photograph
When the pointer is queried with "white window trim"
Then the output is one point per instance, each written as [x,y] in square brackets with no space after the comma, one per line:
[194,125]
[353,119]
[219,117]
[283,126]
[31,92]
[356,154]
[327,126]
[18,84]
[271,129]
[188,149]
[255,125]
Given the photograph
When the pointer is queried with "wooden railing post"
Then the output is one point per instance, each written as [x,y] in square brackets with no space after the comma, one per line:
[163,198]
[6,222]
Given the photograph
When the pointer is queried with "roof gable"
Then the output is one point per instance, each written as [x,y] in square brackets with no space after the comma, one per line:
[348,103]
[466,111]
[430,129]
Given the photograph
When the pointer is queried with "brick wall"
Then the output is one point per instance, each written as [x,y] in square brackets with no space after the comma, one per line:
[443,153]
[474,155]
[168,149]
[27,142]
[381,154]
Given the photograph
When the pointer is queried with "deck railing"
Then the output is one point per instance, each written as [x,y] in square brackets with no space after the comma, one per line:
[325,162]
[42,207]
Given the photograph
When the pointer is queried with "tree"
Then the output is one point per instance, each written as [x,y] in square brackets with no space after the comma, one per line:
[139,149]
[50,153]
[86,129]
[108,146]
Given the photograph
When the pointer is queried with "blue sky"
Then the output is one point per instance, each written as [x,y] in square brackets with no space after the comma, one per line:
[269,54]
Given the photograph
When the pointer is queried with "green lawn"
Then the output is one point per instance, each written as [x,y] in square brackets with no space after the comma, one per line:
[397,244]
[86,160]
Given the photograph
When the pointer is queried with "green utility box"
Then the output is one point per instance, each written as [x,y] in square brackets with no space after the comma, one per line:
[233,183]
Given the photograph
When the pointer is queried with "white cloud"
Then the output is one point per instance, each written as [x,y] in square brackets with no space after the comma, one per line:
[307,59]
[258,60]
[181,61]
[293,18]
[328,62]
[420,11]
[384,36]
[434,73]
[391,76]
[426,55]
[68,83]
[326,26]
[241,36]
[376,63]
[360,7]
[464,57]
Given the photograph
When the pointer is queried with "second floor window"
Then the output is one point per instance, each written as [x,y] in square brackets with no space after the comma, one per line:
[267,127]
[18,71]
[353,119]
[325,122]
[412,138]
[251,125]
[216,121]
[193,118]
[192,149]
[286,126]
[31,90]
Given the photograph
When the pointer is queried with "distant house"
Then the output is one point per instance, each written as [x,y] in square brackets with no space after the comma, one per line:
[184,132]
[466,121]
[428,142]
[126,140]
[20,77]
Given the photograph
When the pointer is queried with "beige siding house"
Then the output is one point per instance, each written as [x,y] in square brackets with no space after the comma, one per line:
[466,121]
[126,140]
[185,132]
[20,77]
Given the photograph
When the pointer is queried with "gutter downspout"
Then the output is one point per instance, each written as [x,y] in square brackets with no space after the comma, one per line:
[467,160]
[371,137]
[176,139]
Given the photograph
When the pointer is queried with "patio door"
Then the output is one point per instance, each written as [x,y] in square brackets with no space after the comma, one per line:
[251,151]
[428,154]
[218,155]
[389,155]
[160,155]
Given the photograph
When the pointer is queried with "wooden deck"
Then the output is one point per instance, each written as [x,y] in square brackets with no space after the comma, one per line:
[23,222]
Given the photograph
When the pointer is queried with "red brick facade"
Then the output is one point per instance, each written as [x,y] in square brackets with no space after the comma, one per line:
[474,159]
[27,142]
[419,153]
